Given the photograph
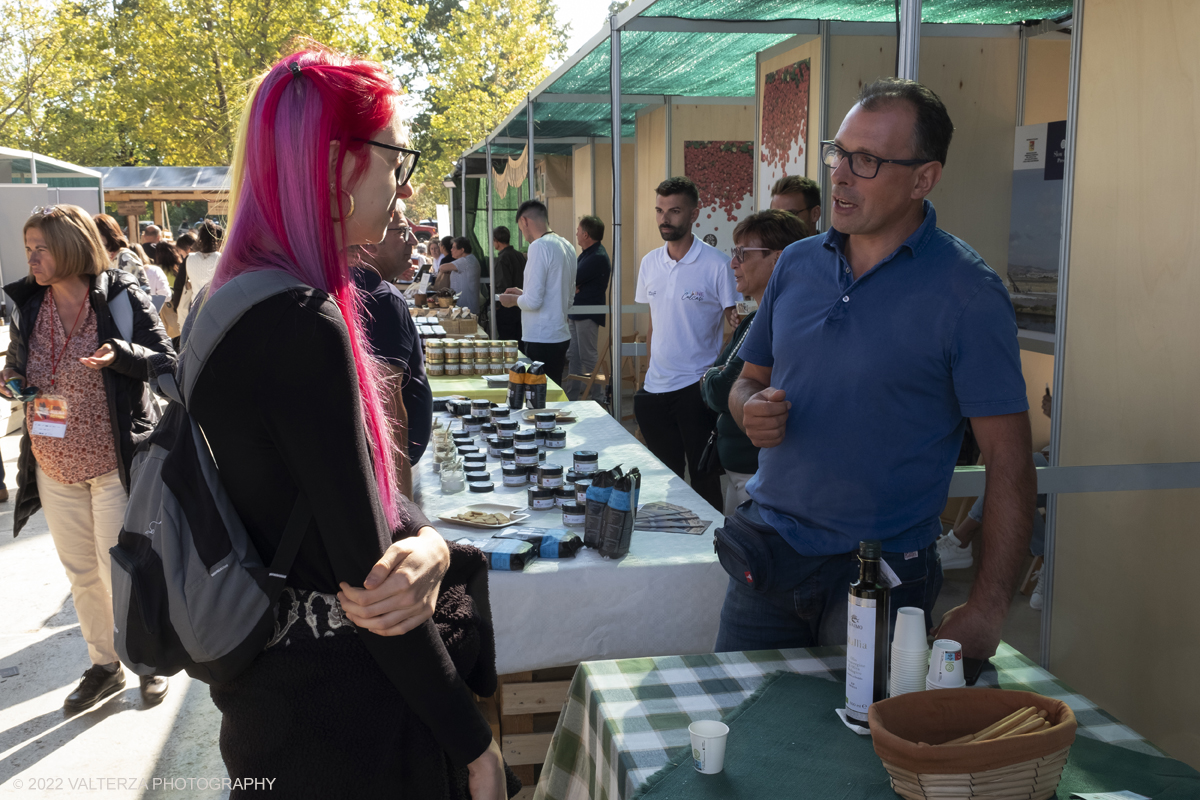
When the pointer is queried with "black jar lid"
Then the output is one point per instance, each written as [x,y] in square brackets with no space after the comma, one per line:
[574,508]
[537,493]
[584,455]
[524,436]
[480,487]
[550,469]
[513,472]
[525,449]
[508,453]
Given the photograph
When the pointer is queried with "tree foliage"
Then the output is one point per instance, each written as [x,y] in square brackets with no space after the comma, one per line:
[161,82]
[482,60]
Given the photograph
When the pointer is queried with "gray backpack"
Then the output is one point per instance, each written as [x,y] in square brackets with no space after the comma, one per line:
[189,589]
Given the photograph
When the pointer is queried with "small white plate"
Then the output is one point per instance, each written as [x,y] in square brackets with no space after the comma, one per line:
[515,513]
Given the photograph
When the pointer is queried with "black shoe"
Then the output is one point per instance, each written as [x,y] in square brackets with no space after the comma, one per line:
[3,495]
[97,683]
[154,689]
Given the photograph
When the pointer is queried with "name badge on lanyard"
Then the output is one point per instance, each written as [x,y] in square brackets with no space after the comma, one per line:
[48,416]
[49,411]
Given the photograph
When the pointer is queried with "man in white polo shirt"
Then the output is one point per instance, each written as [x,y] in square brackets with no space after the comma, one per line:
[689,287]
[549,290]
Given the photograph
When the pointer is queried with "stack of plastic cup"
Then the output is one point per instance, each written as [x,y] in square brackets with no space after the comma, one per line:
[910,653]
[946,666]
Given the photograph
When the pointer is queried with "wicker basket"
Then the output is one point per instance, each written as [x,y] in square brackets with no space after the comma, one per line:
[908,731]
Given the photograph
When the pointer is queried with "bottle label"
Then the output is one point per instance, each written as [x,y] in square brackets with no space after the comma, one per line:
[860,657]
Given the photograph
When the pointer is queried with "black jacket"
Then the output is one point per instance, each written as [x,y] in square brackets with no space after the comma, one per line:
[130,407]
[591,281]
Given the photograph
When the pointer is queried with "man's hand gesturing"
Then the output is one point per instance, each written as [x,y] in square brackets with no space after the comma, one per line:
[765,417]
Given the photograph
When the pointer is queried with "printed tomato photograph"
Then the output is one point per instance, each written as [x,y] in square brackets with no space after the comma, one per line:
[784,125]
[724,175]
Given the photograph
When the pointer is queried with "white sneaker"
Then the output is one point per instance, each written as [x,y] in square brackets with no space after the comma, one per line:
[952,553]
[1035,599]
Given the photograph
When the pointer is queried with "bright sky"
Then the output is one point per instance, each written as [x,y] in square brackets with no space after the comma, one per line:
[585,16]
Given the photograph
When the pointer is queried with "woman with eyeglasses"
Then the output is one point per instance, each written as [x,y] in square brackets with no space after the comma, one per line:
[84,342]
[355,695]
[758,241]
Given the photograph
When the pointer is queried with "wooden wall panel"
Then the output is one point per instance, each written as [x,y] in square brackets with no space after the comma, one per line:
[1125,627]
[651,171]
[977,80]
[1047,75]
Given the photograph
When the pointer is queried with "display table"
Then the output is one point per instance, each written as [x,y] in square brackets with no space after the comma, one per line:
[625,720]
[664,597]
[476,388]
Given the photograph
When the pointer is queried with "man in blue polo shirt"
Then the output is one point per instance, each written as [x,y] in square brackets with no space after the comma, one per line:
[873,345]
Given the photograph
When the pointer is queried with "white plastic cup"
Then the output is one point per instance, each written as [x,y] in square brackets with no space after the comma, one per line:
[708,745]
[946,665]
[910,631]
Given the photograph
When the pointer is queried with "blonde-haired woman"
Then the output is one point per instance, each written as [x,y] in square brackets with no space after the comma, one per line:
[85,340]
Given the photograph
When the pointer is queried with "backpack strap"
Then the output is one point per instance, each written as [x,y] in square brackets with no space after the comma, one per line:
[218,313]
[121,309]
[289,546]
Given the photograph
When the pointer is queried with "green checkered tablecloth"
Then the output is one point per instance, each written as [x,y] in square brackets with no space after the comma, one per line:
[625,719]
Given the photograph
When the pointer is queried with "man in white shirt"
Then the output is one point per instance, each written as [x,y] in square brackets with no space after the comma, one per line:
[548,293]
[690,289]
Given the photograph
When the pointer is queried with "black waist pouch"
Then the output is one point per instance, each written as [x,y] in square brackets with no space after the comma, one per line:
[754,554]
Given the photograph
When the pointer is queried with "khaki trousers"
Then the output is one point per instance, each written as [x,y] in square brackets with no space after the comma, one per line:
[735,490]
[85,519]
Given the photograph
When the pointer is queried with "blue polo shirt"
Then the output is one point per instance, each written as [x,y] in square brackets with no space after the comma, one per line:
[882,373]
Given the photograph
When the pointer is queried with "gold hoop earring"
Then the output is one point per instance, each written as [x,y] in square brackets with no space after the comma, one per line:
[349,213]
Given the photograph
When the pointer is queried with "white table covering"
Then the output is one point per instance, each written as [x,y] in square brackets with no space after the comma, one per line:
[663,598]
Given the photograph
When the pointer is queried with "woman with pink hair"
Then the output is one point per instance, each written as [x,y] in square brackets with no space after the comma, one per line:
[356,694]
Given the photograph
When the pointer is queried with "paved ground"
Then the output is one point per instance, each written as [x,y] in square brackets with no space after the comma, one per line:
[103,752]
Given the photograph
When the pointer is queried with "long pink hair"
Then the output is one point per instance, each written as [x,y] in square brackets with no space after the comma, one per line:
[281,200]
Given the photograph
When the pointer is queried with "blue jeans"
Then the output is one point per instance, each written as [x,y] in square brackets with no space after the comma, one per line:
[805,606]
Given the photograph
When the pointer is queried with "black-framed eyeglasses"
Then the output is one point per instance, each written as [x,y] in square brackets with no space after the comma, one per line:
[408,160]
[864,165]
[739,252]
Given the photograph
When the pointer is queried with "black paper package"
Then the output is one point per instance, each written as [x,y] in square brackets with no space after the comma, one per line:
[504,555]
[548,542]
[535,385]
[597,499]
[516,385]
[616,528]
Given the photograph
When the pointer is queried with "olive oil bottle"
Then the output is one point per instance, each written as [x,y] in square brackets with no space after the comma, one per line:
[867,635]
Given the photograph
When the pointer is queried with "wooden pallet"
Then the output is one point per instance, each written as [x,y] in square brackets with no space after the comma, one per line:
[527,705]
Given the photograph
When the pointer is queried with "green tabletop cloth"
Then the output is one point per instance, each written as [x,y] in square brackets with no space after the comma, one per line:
[786,741]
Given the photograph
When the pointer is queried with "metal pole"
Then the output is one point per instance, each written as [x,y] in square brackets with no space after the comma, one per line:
[670,108]
[463,169]
[32,168]
[1060,324]
[491,248]
[529,136]
[823,102]
[909,64]
[614,367]
[1022,61]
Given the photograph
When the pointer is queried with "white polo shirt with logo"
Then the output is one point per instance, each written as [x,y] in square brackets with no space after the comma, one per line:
[687,302]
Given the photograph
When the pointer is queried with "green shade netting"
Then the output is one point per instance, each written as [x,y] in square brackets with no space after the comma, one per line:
[559,120]
[693,64]
[968,12]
